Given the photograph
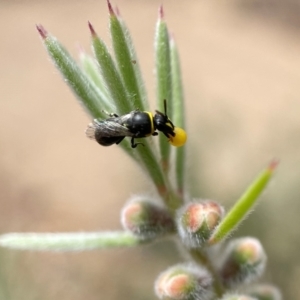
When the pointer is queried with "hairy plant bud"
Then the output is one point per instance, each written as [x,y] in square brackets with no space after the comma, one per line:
[265,292]
[146,219]
[184,282]
[244,261]
[197,220]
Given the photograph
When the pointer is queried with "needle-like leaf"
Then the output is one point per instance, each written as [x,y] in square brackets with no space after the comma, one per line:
[178,114]
[243,206]
[163,80]
[89,95]
[127,61]
[91,69]
[111,75]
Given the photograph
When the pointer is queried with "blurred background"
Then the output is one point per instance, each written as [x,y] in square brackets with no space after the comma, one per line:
[241,73]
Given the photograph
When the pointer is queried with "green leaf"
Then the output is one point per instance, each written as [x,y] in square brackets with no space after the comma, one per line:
[111,75]
[178,114]
[91,69]
[244,205]
[89,95]
[127,62]
[163,81]
[68,241]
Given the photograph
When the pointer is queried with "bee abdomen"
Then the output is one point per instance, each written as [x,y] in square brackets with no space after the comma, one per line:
[108,141]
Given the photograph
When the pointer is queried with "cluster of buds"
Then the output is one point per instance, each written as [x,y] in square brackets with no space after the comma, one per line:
[231,266]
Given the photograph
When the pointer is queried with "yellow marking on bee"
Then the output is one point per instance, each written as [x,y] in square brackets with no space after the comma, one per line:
[151,121]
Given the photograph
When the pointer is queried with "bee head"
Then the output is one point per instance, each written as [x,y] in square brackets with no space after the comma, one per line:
[163,123]
[177,136]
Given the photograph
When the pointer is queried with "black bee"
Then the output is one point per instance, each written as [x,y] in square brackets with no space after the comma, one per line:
[136,124]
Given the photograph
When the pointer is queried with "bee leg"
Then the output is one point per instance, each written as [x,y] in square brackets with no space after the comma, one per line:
[133,144]
[110,114]
[120,140]
[169,133]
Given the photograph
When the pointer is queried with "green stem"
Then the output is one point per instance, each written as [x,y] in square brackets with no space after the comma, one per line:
[203,259]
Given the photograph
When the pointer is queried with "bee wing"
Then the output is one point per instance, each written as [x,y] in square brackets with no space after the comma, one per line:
[106,128]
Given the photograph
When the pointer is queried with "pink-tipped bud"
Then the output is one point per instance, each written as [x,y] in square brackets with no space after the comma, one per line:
[265,292]
[146,219]
[197,220]
[237,297]
[244,261]
[184,282]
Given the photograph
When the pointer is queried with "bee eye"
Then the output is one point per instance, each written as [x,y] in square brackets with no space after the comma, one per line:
[179,139]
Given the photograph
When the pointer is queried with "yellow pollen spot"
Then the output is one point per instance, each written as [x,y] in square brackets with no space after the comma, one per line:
[179,139]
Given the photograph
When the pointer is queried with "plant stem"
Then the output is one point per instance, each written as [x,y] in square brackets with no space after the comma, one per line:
[203,259]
